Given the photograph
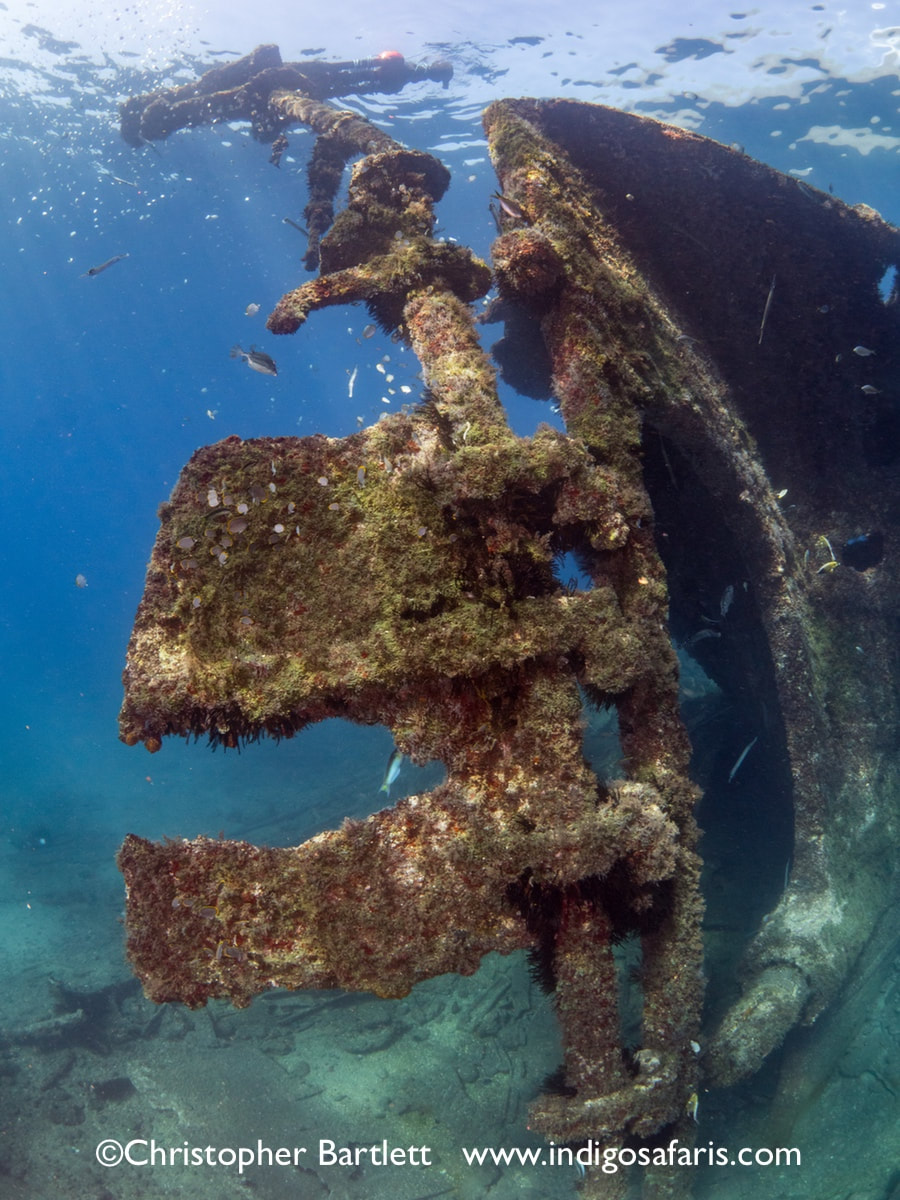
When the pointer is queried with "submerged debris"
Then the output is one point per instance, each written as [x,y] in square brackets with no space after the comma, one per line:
[422,596]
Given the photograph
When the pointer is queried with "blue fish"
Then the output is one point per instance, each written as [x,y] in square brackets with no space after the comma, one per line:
[391,771]
[863,551]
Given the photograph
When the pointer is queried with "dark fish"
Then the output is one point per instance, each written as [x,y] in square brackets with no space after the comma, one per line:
[256,360]
[109,262]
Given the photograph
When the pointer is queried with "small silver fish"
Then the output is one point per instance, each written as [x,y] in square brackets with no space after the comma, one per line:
[863,351]
[256,360]
[700,636]
[868,390]
[391,771]
[727,600]
[510,207]
[251,310]
[810,193]
[765,316]
[103,266]
[80,581]
[740,759]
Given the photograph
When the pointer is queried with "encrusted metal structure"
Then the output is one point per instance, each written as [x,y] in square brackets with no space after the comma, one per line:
[688,371]
[759,348]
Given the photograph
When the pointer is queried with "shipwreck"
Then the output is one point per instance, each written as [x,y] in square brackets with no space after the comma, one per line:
[701,318]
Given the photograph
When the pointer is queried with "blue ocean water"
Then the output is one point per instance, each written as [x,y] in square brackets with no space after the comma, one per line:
[108,383]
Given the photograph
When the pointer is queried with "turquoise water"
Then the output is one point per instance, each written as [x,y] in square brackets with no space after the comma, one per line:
[108,384]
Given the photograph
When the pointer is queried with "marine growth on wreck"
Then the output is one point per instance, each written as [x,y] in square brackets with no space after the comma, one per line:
[674,356]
